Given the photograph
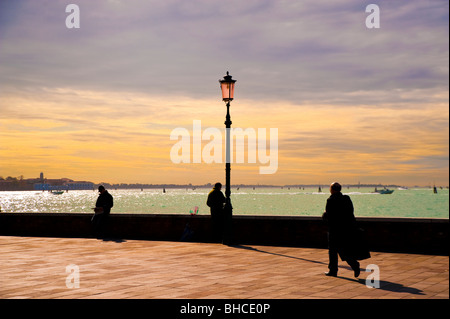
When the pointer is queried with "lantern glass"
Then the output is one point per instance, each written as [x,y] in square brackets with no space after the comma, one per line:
[227,91]
[227,86]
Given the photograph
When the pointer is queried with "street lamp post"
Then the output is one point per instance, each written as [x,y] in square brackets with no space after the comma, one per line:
[227,86]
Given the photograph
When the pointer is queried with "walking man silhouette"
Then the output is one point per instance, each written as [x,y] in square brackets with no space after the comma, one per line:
[343,233]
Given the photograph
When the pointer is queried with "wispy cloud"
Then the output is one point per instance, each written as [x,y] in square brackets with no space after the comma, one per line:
[135,70]
[306,51]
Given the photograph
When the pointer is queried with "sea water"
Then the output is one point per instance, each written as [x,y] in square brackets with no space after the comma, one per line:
[277,201]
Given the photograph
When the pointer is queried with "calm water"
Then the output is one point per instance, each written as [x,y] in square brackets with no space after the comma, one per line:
[246,201]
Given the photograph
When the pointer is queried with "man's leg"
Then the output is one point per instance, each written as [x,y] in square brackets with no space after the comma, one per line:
[217,227]
[355,266]
[100,222]
[333,261]
[333,257]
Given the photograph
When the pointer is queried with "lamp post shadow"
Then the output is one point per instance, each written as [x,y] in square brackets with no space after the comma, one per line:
[384,285]
[276,254]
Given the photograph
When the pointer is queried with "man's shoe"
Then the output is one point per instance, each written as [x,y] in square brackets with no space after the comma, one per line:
[331,274]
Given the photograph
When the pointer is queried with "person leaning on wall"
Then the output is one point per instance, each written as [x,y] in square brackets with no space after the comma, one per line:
[215,202]
[102,210]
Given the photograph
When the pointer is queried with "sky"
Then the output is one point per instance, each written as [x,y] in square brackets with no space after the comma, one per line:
[350,103]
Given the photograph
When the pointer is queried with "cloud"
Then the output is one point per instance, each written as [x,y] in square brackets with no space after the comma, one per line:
[135,70]
[278,50]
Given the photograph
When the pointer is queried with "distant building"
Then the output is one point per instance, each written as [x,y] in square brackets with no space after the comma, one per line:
[41,183]
[63,184]
[17,184]
[75,185]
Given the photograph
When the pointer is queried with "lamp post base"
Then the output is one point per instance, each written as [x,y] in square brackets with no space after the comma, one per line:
[227,223]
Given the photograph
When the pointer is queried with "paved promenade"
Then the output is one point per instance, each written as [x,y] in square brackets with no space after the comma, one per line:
[34,267]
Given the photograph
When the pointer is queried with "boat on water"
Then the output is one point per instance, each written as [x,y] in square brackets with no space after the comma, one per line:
[57,192]
[384,191]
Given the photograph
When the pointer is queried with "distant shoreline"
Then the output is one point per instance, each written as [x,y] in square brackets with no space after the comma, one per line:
[208,186]
[23,184]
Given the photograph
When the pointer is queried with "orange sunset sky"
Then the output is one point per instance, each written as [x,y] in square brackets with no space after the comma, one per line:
[351,104]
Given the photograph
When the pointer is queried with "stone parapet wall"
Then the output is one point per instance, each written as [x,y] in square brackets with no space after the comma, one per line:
[408,235]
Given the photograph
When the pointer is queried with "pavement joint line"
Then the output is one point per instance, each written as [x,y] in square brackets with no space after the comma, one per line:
[36,269]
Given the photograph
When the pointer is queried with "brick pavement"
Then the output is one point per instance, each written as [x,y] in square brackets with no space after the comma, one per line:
[36,268]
